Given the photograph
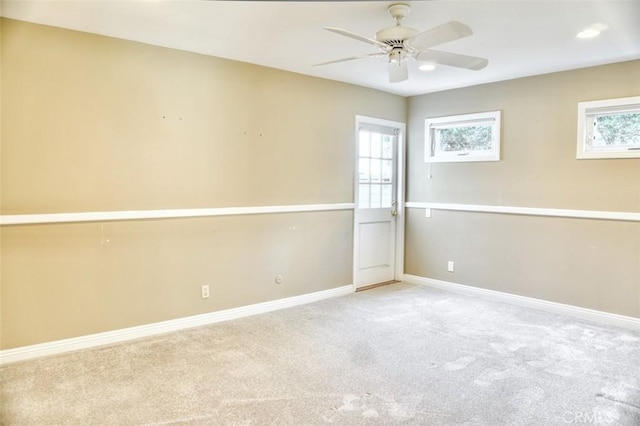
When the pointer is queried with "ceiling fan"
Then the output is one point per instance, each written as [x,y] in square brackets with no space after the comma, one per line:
[400,43]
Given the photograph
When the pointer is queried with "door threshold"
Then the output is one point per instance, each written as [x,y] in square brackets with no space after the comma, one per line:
[369,287]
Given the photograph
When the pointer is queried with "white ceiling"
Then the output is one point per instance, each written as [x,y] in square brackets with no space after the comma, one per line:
[519,38]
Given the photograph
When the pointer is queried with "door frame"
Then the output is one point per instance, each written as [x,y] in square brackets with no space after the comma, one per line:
[398,272]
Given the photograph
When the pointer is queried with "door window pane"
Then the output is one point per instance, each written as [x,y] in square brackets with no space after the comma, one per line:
[363,196]
[365,143]
[387,146]
[363,170]
[387,171]
[376,145]
[375,196]
[376,172]
[387,196]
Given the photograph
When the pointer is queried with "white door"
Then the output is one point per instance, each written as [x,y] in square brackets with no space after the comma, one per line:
[378,205]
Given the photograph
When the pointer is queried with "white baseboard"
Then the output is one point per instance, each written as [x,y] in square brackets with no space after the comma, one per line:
[529,302]
[99,339]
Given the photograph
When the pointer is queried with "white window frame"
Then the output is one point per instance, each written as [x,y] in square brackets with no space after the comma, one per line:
[432,124]
[586,112]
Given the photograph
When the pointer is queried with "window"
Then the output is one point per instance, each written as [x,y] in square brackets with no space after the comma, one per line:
[609,128]
[376,167]
[469,137]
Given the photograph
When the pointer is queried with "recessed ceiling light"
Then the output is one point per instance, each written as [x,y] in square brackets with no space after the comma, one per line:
[592,31]
[588,33]
[427,67]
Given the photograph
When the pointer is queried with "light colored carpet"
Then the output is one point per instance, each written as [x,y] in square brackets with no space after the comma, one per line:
[398,354]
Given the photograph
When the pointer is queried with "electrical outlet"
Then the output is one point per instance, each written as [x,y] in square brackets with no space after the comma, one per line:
[427,212]
[279,279]
[205,291]
[450,266]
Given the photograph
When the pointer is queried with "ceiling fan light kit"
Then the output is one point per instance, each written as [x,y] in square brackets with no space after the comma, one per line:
[399,43]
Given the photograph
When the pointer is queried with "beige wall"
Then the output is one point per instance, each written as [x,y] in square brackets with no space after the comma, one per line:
[91,123]
[95,123]
[588,263]
[65,280]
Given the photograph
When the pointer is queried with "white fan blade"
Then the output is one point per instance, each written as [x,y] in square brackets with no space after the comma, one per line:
[358,37]
[398,71]
[444,33]
[452,59]
[366,55]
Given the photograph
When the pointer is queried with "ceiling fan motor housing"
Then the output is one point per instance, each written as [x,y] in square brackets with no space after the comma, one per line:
[395,36]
